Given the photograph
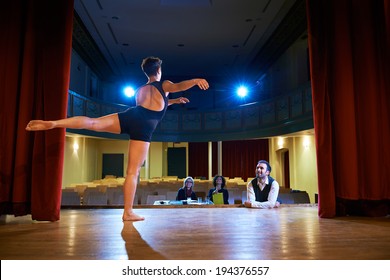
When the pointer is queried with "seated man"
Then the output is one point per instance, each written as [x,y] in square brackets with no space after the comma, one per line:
[263,190]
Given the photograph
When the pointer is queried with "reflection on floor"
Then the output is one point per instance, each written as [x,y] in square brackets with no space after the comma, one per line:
[196,233]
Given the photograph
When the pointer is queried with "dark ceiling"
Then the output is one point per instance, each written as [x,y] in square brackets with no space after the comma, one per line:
[219,40]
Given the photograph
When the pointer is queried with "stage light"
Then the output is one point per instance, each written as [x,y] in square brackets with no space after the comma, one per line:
[129,91]
[242,91]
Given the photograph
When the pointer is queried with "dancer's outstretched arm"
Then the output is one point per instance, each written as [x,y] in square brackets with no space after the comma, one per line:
[168,86]
[180,100]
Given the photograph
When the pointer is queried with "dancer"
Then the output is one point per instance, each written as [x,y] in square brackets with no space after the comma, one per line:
[138,122]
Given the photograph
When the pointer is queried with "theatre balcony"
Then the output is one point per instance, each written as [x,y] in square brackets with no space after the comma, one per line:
[288,113]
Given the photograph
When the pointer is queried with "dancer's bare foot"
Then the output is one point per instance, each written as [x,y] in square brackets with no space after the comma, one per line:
[39,125]
[131,217]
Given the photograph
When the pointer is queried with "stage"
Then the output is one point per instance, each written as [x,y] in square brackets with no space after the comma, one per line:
[196,233]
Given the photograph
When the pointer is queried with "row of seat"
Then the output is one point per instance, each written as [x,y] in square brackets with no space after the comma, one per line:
[92,196]
[167,181]
[104,195]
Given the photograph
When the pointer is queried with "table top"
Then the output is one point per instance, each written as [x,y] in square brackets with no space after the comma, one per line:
[182,202]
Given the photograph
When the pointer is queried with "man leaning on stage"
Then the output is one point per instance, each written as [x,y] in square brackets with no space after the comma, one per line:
[262,191]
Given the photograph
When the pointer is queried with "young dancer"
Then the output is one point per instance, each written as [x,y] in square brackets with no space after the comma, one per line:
[138,122]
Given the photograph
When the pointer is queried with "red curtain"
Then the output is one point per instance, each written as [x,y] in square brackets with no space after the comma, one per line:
[349,56]
[198,159]
[35,52]
[198,162]
[239,158]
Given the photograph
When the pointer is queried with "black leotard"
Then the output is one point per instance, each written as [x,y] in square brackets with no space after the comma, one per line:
[138,122]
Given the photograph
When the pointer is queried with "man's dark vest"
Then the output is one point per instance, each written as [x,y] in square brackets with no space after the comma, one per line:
[262,195]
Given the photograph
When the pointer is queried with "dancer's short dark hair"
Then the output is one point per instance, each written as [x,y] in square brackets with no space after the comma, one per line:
[150,65]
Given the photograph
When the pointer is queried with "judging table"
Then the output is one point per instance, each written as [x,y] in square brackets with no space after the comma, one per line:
[182,202]
[187,204]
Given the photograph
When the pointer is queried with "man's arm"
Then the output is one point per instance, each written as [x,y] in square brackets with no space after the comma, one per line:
[250,195]
[168,86]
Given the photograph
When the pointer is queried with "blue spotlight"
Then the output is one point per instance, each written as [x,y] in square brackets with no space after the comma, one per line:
[242,91]
[129,91]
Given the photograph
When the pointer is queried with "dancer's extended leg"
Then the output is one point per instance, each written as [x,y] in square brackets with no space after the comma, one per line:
[138,151]
[109,123]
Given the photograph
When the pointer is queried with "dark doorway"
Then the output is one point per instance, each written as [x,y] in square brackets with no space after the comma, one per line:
[177,162]
[113,165]
[286,167]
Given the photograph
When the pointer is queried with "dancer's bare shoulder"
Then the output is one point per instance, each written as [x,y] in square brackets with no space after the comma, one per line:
[149,97]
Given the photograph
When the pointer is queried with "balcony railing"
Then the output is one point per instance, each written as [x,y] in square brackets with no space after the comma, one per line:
[285,114]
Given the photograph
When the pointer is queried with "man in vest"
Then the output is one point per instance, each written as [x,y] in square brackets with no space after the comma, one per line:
[263,190]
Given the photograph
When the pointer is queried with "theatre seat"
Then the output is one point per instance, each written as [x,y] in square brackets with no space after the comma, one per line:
[235,196]
[244,196]
[115,196]
[201,195]
[80,189]
[171,195]
[301,197]
[285,198]
[94,197]
[70,198]
[152,198]
[294,197]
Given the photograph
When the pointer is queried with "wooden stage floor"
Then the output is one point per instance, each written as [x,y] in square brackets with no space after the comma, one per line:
[235,233]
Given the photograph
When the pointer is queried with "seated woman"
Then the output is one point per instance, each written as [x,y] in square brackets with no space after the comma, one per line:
[186,191]
[219,183]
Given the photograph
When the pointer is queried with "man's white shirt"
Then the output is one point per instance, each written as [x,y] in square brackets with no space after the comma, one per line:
[272,196]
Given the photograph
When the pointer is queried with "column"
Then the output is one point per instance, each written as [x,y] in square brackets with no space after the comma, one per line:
[210,160]
[220,158]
